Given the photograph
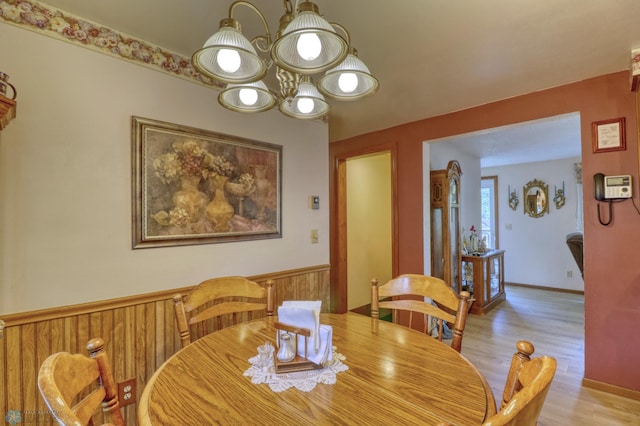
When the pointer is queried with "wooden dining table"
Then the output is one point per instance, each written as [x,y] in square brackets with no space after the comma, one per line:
[396,375]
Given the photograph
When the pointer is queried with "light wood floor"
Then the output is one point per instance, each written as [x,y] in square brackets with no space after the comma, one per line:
[554,322]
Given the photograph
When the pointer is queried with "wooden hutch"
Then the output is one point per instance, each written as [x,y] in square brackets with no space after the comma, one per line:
[483,277]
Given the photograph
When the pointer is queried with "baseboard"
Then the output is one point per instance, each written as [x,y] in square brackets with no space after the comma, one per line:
[613,389]
[540,287]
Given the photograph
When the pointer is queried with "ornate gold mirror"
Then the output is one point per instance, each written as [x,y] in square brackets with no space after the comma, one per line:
[536,198]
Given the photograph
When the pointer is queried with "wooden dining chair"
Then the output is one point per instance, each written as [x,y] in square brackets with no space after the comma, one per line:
[450,307]
[526,388]
[73,386]
[217,298]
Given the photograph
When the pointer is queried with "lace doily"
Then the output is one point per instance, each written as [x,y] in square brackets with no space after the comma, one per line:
[301,380]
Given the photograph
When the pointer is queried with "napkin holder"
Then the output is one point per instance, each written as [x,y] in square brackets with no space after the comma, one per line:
[299,363]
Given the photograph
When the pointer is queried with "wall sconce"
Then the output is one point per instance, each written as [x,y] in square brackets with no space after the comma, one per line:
[513,198]
[558,197]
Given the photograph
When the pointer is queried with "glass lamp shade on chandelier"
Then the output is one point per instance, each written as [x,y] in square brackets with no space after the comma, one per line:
[305,45]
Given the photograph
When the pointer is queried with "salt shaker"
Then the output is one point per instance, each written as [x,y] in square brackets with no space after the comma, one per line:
[287,351]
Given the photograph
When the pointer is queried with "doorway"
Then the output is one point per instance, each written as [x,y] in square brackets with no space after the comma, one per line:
[547,149]
[365,244]
[489,209]
[368,225]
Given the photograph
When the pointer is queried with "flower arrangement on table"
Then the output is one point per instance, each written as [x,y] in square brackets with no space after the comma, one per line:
[472,243]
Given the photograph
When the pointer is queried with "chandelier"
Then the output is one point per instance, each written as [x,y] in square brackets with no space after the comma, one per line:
[305,47]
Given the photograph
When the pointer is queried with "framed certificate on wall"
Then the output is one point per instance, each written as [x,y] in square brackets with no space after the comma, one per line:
[609,135]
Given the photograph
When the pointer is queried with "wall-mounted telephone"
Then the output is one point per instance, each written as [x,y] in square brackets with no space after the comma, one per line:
[611,187]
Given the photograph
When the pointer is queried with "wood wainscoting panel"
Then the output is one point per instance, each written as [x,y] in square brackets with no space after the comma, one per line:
[139,334]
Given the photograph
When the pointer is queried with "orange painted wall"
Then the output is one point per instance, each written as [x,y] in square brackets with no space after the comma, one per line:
[612,267]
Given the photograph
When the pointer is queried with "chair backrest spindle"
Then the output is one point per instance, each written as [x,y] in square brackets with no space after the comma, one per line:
[217,297]
[63,376]
[525,391]
[526,388]
[449,307]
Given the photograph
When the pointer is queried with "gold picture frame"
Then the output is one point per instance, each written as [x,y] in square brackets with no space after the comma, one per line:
[193,186]
[609,135]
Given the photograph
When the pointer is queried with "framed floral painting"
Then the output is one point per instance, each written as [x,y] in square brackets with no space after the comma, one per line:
[192,186]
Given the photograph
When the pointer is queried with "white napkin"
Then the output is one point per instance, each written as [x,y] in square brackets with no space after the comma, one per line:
[325,353]
[303,314]
[306,314]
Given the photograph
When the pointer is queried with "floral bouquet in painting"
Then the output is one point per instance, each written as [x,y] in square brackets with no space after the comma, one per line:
[188,159]
[189,163]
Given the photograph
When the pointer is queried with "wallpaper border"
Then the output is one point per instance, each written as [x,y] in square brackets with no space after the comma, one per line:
[58,24]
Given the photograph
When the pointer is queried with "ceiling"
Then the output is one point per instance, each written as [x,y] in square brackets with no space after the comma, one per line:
[431,57]
[532,141]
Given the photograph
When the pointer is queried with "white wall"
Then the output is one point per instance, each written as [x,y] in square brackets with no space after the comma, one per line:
[65,179]
[536,252]
[470,181]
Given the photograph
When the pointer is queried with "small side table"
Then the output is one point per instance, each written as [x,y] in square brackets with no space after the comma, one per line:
[483,277]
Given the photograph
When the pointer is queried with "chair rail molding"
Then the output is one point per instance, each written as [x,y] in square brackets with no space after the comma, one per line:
[139,334]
